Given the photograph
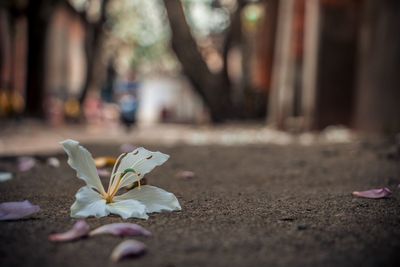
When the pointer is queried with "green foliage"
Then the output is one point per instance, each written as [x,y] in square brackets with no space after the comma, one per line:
[143,27]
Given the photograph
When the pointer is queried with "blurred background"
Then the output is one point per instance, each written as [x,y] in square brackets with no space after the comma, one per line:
[296,65]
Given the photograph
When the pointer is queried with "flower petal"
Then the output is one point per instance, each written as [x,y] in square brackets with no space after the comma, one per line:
[121,229]
[128,209]
[26,163]
[185,174]
[53,162]
[128,248]
[88,203]
[17,210]
[82,162]
[142,161]
[374,193]
[80,229]
[5,176]
[155,199]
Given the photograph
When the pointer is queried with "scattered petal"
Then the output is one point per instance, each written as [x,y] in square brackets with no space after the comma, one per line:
[374,193]
[121,229]
[128,248]
[5,176]
[26,163]
[103,172]
[53,162]
[126,148]
[17,210]
[80,229]
[102,162]
[185,174]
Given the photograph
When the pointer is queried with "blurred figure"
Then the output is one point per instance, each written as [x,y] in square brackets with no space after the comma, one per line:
[128,100]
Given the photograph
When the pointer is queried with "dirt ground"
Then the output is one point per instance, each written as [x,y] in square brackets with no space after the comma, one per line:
[248,205]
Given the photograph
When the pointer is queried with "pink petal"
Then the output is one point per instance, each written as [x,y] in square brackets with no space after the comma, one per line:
[103,172]
[17,210]
[121,229]
[374,193]
[80,229]
[128,248]
[26,163]
[185,174]
[126,148]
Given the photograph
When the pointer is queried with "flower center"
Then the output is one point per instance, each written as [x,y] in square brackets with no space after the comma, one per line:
[113,188]
[109,198]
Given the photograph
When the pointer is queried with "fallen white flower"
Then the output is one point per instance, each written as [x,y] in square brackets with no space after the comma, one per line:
[93,200]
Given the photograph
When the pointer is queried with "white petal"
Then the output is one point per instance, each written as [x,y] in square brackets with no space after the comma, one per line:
[142,161]
[155,199]
[128,209]
[82,162]
[5,176]
[88,203]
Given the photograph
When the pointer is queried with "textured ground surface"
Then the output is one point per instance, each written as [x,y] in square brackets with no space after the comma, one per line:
[247,206]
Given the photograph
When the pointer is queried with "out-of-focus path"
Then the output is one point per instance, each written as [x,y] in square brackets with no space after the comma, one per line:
[31,137]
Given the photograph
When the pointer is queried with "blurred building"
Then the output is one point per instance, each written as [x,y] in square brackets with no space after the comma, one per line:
[335,62]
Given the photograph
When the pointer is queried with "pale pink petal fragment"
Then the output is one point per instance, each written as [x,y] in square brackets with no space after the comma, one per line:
[126,148]
[121,229]
[128,248]
[53,162]
[103,172]
[374,193]
[26,163]
[185,174]
[17,210]
[79,230]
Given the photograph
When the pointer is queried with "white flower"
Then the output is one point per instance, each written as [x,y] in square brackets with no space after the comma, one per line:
[93,200]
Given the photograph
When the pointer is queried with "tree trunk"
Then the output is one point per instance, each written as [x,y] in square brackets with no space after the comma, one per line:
[214,89]
[93,40]
[38,20]
[378,108]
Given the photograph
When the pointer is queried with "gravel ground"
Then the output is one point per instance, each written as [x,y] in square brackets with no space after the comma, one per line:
[247,206]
